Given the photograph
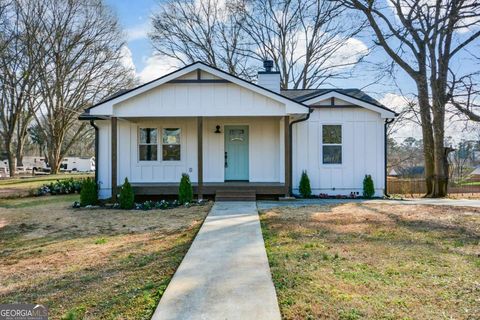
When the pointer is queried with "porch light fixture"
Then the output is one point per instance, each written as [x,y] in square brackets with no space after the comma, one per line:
[217,129]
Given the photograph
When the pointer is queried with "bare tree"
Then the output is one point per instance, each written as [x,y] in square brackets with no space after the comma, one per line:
[310,41]
[404,156]
[464,94]
[18,60]
[305,38]
[206,30]
[80,44]
[423,37]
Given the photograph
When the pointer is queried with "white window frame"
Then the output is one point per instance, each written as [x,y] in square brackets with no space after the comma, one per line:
[331,144]
[139,143]
[179,144]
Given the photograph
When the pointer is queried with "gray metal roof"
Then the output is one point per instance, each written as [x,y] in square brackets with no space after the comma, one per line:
[302,95]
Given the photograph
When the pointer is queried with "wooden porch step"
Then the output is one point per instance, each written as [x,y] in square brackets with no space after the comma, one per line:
[235,195]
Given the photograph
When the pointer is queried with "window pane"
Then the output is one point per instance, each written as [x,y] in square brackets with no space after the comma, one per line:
[148,152]
[148,135]
[171,152]
[171,136]
[332,154]
[237,134]
[332,134]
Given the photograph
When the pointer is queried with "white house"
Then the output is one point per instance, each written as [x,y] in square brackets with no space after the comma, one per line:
[236,138]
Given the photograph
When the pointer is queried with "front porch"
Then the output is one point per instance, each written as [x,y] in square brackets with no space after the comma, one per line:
[225,157]
[212,188]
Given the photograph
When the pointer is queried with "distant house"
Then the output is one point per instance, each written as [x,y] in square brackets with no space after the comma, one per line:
[475,174]
[231,134]
[393,173]
[412,172]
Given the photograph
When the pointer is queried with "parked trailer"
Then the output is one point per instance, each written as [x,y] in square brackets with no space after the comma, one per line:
[78,164]
[4,168]
[35,164]
[30,163]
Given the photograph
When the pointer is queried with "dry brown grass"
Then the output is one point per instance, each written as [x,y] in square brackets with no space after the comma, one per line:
[375,261]
[92,264]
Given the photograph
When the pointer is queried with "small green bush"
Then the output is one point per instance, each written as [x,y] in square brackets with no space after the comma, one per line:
[88,193]
[127,197]
[185,190]
[304,187]
[368,188]
[64,186]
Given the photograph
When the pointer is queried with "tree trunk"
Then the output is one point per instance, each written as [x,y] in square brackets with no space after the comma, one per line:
[22,134]
[19,153]
[55,161]
[427,133]
[10,157]
[441,178]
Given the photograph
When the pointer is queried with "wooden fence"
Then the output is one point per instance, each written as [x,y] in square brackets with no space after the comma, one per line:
[417,186]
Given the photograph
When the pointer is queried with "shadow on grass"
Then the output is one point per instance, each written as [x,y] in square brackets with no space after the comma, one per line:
[128,284]
[395,229]
[391,268]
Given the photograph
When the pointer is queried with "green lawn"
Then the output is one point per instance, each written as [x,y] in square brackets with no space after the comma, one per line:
[91,264]
[375,261]
[38,181]
[472,183]
[26,186]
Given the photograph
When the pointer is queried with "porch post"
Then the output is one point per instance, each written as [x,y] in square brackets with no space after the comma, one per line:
[114,157]
[200,157]
[288,164]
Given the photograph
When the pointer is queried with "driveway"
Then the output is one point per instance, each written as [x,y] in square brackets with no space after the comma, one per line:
[263,205]
[225,274]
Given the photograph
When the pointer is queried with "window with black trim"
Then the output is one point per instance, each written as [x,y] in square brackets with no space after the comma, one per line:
[332,144]
[171,144]
[147,146]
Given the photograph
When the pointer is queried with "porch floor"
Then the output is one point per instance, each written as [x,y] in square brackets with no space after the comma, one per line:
[210,188]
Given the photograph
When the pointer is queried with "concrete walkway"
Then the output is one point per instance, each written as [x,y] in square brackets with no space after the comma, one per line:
[225,274]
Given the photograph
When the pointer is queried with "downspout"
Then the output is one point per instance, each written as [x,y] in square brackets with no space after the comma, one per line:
[387,122]
[310,110]
[92,123]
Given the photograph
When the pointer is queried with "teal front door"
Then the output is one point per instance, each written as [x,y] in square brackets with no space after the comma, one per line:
[236,153]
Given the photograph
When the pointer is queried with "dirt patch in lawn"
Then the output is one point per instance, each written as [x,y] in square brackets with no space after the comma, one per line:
[91,264]
[375,261]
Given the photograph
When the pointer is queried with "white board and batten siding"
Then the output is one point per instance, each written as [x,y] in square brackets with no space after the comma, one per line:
[362,151]
[266,159]
[199,99]
[129,166]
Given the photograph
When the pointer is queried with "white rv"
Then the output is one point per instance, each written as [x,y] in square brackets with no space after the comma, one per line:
[30,163]
[34,163]
[77,164]
[4,168]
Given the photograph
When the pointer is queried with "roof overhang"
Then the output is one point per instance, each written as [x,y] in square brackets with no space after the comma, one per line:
[383,111]
[86,116]
[106,108]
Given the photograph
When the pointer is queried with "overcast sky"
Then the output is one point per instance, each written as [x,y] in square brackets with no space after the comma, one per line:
[135,19]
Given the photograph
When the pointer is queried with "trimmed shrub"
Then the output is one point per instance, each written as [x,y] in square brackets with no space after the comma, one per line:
[127,197]
[368,188]
[64,186]
[304,187]
[88,193]
[185,190]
